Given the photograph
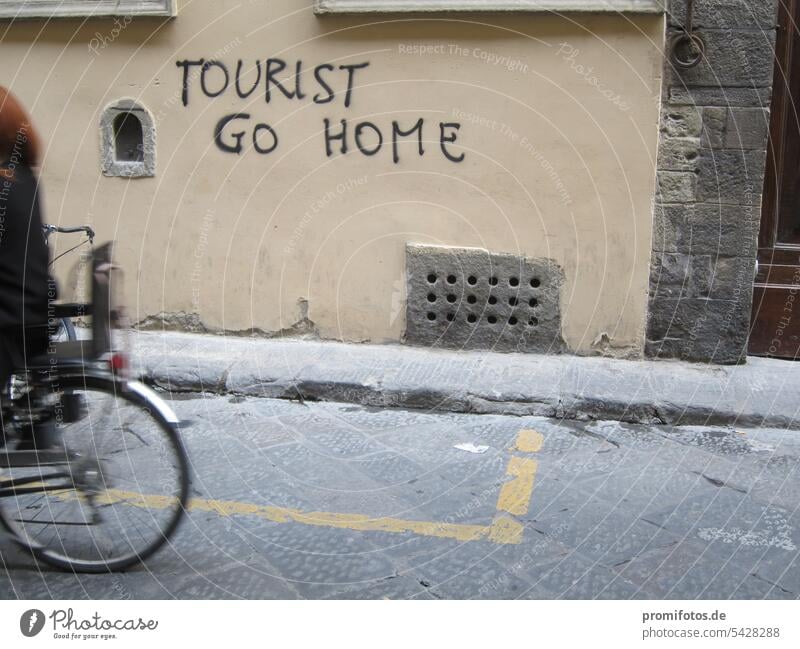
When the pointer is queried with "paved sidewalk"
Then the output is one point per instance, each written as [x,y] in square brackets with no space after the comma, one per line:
[763,392]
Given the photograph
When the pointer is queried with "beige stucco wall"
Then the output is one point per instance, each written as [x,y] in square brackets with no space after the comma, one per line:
[553,167]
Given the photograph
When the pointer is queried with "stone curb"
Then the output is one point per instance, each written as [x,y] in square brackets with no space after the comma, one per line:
[764,392]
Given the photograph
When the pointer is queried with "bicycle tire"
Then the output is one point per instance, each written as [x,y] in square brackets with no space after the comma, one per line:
[53,551]
[69,329]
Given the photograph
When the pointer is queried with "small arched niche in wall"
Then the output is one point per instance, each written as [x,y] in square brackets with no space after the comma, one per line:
[128,138]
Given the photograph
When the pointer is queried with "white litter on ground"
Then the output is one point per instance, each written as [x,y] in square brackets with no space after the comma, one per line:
[471,448]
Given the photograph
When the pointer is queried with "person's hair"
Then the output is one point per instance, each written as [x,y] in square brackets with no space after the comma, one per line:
[19,142]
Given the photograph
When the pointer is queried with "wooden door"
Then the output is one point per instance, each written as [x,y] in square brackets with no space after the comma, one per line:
[776,295]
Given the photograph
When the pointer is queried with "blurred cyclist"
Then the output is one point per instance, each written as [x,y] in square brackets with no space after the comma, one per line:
[26,288]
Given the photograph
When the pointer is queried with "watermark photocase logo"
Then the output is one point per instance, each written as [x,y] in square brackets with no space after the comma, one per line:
[31,622]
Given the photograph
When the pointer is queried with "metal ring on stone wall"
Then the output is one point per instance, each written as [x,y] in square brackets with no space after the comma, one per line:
[686,50]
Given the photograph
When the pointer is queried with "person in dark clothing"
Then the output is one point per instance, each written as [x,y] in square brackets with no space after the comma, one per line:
[26,288]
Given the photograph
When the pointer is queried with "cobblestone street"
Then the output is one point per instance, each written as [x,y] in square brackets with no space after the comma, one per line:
[323,500]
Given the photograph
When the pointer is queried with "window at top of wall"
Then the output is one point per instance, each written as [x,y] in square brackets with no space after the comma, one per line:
[389,6]
[21,9]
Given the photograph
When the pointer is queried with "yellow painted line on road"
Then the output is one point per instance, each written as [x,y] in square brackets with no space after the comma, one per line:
[502,530]
[359,522]
[506,530]
[515,495]
[528,441]
[514,498]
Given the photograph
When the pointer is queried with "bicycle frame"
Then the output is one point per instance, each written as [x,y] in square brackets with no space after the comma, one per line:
[42,379]
[67,311]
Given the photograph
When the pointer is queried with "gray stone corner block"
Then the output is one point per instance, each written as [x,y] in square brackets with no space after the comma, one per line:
[715,119]
[679,153]
[113,164]
[675,274]
[725,14]
[682,121]
[732,58]
[731,278]
[747,128]
[676,186]
[707,213]
[707,229]
[723,230]
[686,275]
[679,94]
[730,175]
[670,222]
[471,298]
[698,329]
[735,127]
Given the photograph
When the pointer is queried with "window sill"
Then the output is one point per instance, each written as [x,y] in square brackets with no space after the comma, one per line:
[429,6]
[46,9]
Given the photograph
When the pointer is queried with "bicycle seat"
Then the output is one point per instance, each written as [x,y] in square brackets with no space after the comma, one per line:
[65,355]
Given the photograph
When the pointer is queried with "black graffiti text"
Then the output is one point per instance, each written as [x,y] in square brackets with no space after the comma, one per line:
[369,139]
[274,78]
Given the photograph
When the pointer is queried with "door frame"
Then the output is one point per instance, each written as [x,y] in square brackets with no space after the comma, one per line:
[777,263]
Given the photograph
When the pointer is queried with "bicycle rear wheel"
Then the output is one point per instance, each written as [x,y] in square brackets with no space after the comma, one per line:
[118,497]
[65,331]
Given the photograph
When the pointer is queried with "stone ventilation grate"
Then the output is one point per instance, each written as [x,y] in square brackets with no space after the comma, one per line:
[506,300]
[472,299]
